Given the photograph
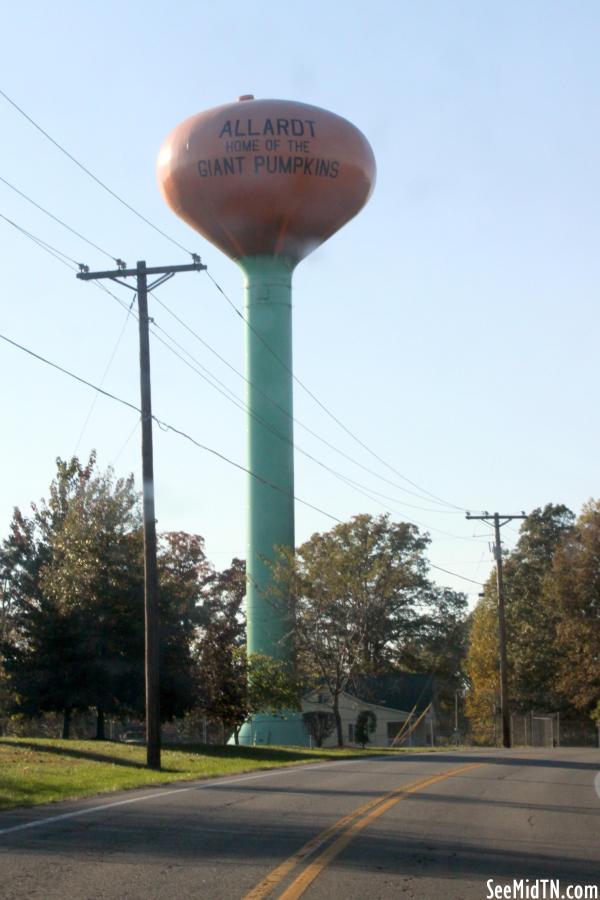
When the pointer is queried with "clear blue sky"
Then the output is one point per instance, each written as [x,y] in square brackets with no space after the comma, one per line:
[453,325]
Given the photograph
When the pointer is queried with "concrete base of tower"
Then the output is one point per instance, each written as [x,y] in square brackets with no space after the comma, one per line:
[263,730]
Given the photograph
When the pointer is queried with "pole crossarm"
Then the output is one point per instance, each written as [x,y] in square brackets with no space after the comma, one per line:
[132,273]
[491,517]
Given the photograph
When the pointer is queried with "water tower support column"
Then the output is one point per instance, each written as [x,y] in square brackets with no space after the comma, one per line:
[270,457]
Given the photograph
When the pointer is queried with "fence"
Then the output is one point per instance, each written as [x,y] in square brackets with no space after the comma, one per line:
[549,729]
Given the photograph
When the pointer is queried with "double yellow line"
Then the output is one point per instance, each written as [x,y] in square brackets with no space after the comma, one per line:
[346,829]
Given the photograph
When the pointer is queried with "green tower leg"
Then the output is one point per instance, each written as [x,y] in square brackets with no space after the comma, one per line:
[270,457]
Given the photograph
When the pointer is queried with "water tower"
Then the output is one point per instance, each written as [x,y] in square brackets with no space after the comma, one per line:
[267,181]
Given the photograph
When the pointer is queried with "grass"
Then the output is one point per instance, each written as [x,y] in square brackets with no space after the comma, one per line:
[44,770]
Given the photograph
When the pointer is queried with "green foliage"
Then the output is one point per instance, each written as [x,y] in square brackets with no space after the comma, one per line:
[437,643]
[183,572]
[364,605]
[366,723]
[220,655]
[272,688]
[73,575]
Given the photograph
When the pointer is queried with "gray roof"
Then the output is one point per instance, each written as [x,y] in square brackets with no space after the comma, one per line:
[397,690]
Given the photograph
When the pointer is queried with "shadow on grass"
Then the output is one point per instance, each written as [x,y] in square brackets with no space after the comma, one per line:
[77,754]
[260,754]
[209,751]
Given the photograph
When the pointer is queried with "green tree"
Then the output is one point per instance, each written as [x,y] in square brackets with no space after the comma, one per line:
[271,687]
[232,686]
[95,578]
[42,654]
[184,573]
[357,590]
[220,654]
[74,573]
[436,643]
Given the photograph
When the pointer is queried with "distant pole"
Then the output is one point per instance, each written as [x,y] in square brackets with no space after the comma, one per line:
[504,710]
[456,736]
[151,616]
[504,704]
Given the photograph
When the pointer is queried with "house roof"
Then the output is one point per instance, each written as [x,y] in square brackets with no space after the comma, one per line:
[397,690]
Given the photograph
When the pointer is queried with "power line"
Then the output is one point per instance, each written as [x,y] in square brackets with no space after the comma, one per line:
[57,254]
[92,176]
[298,421]
[230,302]
[456,575]
[78,378]
[240,404]
[165,426]
[221,388]
[125,442]
[212,350]
[328,411]
[104,374]
[56,219]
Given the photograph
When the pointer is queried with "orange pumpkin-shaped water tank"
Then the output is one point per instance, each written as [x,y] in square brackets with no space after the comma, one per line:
[266,177]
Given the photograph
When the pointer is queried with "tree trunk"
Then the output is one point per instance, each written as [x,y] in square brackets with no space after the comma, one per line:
[100,736]
[66,723]
[338,720]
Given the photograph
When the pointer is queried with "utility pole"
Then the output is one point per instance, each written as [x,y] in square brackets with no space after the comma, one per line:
[504,704]
[151,617]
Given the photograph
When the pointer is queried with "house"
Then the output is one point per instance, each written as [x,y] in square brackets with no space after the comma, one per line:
[393,698]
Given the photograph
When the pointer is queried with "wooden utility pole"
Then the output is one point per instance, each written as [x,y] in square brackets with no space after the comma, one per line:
[151,616]
[504,703]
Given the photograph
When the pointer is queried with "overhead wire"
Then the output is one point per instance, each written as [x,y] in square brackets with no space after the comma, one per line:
[166,426]
[299,422]
[325,408]
[57,254]
[176,243]
[221,388]
[92,176]
[125,442]
[104,375]
[56,219]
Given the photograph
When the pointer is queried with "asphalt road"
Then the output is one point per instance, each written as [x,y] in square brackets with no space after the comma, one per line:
[434,825]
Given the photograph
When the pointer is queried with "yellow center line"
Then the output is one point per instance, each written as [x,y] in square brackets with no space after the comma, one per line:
[364,814]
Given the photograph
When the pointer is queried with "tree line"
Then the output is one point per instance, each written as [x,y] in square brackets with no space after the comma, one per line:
[72,633]
[552,588]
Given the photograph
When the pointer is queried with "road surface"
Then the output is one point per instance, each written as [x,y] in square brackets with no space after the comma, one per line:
[436,825]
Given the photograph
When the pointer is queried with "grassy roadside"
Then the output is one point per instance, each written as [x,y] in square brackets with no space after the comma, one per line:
[43,770]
